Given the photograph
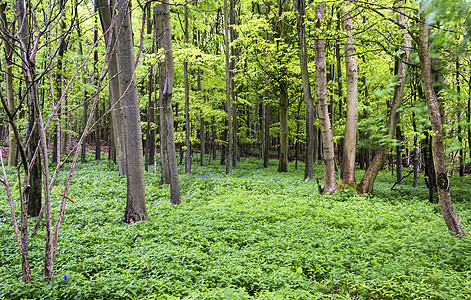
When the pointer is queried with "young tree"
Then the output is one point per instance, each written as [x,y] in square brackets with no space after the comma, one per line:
[367,182]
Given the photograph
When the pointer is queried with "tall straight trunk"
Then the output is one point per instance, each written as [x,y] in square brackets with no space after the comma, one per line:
[460,115]
[85,96]
[265,128]
[309,166]
[164,163]
[106,12]
[283,33]
[9,88]
[151,136]
[347,172]
[339,85]
[136,203]
[451,218]
[166,85]
[228,92]
[202,129]
[367,182]
[330,183]
[187,102]
[97,132]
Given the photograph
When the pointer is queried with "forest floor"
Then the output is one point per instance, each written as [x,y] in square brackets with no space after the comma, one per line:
[256,234]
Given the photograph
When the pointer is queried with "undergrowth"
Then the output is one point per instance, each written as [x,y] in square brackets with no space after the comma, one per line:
[256,234]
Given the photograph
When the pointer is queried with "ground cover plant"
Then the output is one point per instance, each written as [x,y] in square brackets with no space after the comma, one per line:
[256,234]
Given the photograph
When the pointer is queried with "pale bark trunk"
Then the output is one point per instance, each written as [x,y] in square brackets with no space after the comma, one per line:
[167,89]
[349,145]
[451,218]
[367,182]
[330,183]
[309,166]
[136,203]
[151,136]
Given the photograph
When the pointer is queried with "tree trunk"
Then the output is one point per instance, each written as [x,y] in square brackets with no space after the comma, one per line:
[166,85]
[349,145]
[330,183]
[451,218]
[9,88]
[367,182]
[228,92]
[151,136]
[117,118]
[136,203]
[187,102]
[309,166]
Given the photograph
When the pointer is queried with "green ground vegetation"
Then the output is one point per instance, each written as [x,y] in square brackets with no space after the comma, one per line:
[256,234]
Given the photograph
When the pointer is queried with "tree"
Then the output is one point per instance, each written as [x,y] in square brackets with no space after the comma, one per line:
[309,167]
[451,218]
[330,183]
[349,145]
[135,205]
[367,182]
[166,75]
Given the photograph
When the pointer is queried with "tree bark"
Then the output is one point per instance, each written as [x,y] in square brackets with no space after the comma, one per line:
[349,144]
[330,183]
[166,85]
[151,136]
[309,166]
[9,87]
[187,102]
[136,203]
[106,14]
[451,218]
[228,92]
[367,182]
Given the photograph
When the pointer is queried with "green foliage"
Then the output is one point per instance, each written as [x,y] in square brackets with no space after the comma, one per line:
[254,235]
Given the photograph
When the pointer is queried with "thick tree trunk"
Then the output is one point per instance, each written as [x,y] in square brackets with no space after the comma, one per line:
[349,144]
[330,183]
[136,203]
[309,166]
[367,182]
[451,218]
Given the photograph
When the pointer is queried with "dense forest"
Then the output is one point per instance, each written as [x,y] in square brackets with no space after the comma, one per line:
[337,93]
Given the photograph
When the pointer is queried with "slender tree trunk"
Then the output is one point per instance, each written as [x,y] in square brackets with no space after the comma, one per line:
[8,87]
[97,111]
[228,92]
[349,145]
[265,128]
[398,156]
[309,166]
[330,183]
[187,102]
[460,115]
[106,12]
[451,218]
[151,136]
[136,203]
[367,182]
